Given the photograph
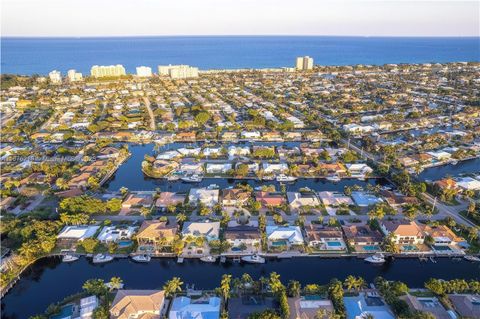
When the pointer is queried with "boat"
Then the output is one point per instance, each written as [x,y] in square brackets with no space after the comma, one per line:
[268,178]
[208,259]
[254,259]
[173,178]
[333,178]
[471,258]
[223,259]
[180,260]
[285,178]
[192,179]
[376,259]
[102,258]
[69,258]
[454,162]
[144,258]
[213,186]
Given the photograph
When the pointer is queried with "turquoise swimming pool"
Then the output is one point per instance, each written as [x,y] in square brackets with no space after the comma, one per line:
[409,248]
[334,244]
[279,243]
[65,312]
[125,243]
[371,247]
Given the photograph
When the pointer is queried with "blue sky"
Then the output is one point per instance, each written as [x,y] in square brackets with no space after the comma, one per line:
[239,17]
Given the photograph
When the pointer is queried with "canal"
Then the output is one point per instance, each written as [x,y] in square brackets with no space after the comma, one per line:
[471,166]
[50,280]
[130,175]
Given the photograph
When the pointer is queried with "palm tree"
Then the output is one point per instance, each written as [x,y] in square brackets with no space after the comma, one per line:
[360,283]
[173,286]
[471,208]
[225,286]
[275,283]
[115,283]
[350,282]
[181,218]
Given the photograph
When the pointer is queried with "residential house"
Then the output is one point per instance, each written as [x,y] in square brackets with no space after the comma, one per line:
[204,308]
[129,304]
[166,199]
[218,168]
[308,308]
[235,197]
[359,170]
[324,238]
[362,238]
[405,232]
[73,234]
[208,197]
[363,199]
[281,236]
[298,200]
[153,235]
[114,234]
[208,230]
[466,305]
[427,304]
[269,199]
[247,236]
[270,168]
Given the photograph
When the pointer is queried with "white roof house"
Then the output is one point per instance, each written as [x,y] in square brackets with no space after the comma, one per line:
[168,155]
[192,167]
[87,306]
[210,230]
[189,151]
[77,232]
[111,234]
[252,134]
[238,151]
[440,155]
[208,197]
[184,308]
[468,183]
[218,167]
[334,199]
[297,200]
[359,169]
[210,151]
[292,234]
[275,167]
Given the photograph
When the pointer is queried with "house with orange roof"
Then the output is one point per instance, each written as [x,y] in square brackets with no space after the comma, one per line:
[405,231]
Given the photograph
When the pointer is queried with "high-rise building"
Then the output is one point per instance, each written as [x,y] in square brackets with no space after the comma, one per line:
[144,71]
[74,76]
[55,77]
[178,71]
[304,63]
[107,70]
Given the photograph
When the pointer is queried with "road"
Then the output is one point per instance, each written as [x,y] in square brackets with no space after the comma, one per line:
[150,112]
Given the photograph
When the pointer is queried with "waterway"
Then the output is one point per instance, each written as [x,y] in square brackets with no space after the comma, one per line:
[50,280]
[471,166]
[130,175]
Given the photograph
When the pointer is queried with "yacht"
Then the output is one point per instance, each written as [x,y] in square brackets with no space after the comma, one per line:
[268,178]
[376,259]
[208,259]
[102,258]
[333,178]
[285,178]
[69,258]
[142,258]
[471,258]
[213,186]
[254,259]
[192,178]
[173,178]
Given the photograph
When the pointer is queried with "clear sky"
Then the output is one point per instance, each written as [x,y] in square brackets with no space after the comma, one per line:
[239,17]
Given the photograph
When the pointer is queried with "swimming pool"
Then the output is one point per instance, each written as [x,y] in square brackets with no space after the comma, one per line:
[124,243]
[371,247]
[279,243]
[65,312]
[409,248]
[334,244]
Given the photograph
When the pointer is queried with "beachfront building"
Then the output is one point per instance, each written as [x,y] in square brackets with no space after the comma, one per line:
[303,63]
[74,76]
[55,77]
[144,71]
[178,71]
[99,71]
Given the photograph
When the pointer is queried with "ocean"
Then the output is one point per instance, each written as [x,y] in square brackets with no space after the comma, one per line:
[41,55]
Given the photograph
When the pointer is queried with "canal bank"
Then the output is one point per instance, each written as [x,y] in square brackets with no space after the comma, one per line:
[49,280]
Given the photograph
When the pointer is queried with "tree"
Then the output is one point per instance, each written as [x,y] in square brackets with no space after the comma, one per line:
[472,233]
[241,170]
[471,208]
[145,211]
[225,286]
[275,284]
[90,244]
[202,118]
[350,282]
[115,283]
[436,286]
[95,287]
[410,212]
[293,288]
[266,314]
[173,286]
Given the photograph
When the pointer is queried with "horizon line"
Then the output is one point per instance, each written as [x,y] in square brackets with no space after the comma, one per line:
[237,35]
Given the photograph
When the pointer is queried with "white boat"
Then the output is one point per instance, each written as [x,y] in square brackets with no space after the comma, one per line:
[285,178]
[471,258]
[454,162]
[376,259]
[142,258]
[268,178]
[102,258]
[69,258]
[208,259]
[333,178]
[173,178]
[254,259]
[192,179]
[213,186]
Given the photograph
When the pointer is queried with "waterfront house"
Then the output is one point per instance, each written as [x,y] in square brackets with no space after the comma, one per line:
[359,170]
[208,197]
[304,307]
[446,183]
[426,305]
[468,183]
[366,303]
[252,166]
[333,169]
[334,199]
[243,238]
[235,197]
[466,305]
[408,235]
[208,230]
[166,199]
[218,168]
[212,151]
[115,234]
[363,199]
[191,168]
[168,155]
[298,200]
[237,151]
[253,135]
[129,304]
[362,238]
[135,201]
[442,237]
[396,199]
[108,152]
[204,308]
[270,199]
[292,136]
[277,168]
[408,161]
[283,236]
[190,151]
[324,238]
[73,234]
[186,137]
[229,136]
[153,235]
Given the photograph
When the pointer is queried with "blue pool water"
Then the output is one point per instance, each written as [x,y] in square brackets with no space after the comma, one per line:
[41,55]
[65,312]
[334,243]
[125,243]
[370,247]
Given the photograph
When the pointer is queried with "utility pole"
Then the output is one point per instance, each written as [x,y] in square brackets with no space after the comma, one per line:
[434,204]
